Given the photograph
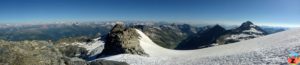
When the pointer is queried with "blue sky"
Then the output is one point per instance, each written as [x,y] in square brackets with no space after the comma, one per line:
[262,12]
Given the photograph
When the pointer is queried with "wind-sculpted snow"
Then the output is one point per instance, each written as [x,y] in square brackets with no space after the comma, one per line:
[270,49]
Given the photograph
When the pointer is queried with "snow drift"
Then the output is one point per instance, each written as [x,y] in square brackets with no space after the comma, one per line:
[270,49]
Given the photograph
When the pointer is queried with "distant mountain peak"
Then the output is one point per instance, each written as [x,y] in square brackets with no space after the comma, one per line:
[248,22]
[217,26]
[247,25]
[246,31]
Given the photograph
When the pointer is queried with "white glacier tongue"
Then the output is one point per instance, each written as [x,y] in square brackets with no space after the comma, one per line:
[270,49]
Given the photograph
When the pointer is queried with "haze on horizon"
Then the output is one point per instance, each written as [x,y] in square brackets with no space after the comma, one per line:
[284,13]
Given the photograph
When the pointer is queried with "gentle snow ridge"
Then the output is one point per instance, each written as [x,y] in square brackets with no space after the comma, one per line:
[270,49]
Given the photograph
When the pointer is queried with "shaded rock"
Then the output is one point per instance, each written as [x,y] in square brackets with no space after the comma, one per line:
[107,62]
[73,51]
[75,61]
[202,39]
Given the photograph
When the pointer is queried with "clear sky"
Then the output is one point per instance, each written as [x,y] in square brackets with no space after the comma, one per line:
[262,12]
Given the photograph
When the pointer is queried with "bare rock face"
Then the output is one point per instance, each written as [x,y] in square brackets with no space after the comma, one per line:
[29,53]
[41,53]
[122,40]
[107,62]
[202,39]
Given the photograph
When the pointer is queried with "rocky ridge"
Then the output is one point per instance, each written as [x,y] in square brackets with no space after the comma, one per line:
[122,40]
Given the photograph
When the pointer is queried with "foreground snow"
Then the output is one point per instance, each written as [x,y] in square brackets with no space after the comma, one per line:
[271,49]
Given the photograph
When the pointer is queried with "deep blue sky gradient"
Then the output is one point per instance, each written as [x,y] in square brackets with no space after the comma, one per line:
[264,12]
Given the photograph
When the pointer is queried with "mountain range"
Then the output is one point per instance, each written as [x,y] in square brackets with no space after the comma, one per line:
[218,35]
[133,43]
[270,49]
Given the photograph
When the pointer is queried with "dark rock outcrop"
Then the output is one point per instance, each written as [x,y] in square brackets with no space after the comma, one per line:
[74,61]
[107,62]
[122,40]
[78,61]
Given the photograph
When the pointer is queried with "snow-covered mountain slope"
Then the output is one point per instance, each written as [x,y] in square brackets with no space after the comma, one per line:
[245,32]
[270,49]
[93,48]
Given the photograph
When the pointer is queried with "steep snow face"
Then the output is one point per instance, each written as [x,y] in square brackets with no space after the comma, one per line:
[153,49]
[92,45]
[95,48]
[270,49]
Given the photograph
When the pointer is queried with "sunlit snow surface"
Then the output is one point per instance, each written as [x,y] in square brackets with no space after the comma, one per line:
[270,49]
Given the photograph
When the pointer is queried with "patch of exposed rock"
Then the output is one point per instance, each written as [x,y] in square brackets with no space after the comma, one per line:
[29,53]
[122,40]
[42,53]
[107,62]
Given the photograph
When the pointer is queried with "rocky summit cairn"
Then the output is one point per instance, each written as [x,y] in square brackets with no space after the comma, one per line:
[122,40]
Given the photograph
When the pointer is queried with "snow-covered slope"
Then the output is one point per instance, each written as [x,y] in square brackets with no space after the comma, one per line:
[93,48]
[270,49]
[245,32]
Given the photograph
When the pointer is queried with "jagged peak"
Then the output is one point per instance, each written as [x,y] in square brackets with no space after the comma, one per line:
[118,27]
[217,26]
[247,24]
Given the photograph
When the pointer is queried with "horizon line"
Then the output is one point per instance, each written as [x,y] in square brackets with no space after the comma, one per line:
[134,21]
